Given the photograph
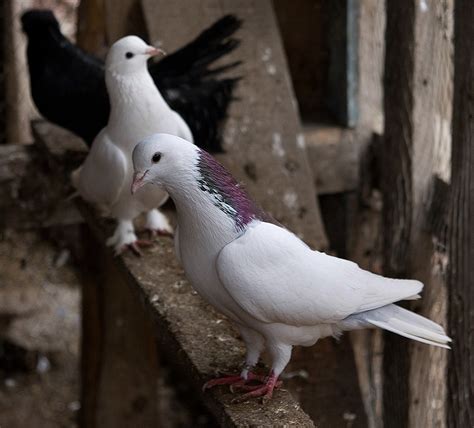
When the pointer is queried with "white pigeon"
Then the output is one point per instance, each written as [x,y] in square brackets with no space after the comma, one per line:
[137,111]
[278,291]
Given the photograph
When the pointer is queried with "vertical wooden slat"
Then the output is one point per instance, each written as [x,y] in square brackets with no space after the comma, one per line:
[431,118]
[417,109]
[398,106]
[461,245]
[3,124]
[91,33]
[92,329]
[119,351]
[102,22]
[18,104]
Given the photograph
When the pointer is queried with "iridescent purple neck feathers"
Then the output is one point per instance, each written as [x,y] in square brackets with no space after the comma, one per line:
[225,192]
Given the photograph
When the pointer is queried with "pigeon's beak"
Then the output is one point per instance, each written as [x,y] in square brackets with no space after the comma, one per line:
[152,51]
[138,181]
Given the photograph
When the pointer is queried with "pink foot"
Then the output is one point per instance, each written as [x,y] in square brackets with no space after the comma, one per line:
[244,386]
[153,233]
[264,391]
[233,380]
[224,380]
[134,247]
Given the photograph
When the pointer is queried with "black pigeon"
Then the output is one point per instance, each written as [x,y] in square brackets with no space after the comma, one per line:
[68,84]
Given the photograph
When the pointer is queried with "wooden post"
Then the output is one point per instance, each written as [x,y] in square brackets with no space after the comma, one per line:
[3,104]
[398,104]
[461,244]
[18,105]
[91,34]
[102,22]
[119,357]
[417,109]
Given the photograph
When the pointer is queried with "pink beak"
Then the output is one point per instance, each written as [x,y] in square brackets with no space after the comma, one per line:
[138,181]
[152,51]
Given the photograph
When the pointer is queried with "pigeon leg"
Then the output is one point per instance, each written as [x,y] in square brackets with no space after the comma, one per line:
[280,354]
[157,224]
[135,246]
[124,238]
[265,391]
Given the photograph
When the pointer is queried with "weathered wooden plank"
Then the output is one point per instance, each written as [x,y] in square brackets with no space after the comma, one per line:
[263,138]
[461,235]
[15,72]
[3,83]
[397,191]
[102,22]
[366,233]
[417,93]
[91,34]
[120,358]
[197,341]
[431,146]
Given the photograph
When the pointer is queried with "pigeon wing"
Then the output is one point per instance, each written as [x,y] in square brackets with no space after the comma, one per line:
[276,278]
[102,176]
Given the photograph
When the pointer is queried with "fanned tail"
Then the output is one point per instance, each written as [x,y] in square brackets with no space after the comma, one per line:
[406,323]
[196,90]
[192,60]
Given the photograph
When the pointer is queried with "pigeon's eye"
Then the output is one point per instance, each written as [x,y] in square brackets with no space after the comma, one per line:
[129,55]
[156,157]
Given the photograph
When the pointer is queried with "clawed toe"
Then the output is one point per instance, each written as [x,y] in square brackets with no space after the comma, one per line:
[153,233]
[224,380]
[134,247]
[245,386]
[263,389]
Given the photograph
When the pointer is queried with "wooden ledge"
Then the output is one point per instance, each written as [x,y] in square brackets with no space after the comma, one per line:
[196,340]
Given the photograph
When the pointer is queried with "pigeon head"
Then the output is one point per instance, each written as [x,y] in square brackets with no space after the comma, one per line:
[164,160]
[35,21]
[181,167]
[129,55]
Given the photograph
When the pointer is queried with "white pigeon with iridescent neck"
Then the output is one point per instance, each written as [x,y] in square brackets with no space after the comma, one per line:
[277,291]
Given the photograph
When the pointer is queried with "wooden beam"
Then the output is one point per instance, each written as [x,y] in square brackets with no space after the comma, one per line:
[461,236]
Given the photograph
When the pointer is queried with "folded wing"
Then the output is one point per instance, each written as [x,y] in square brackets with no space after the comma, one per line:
[102,176]
[276,278]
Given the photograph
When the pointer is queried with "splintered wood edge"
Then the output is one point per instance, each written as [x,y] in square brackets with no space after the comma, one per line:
[196,340]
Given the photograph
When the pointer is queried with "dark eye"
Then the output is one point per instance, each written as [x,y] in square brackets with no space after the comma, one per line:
[129,55]
[156,157]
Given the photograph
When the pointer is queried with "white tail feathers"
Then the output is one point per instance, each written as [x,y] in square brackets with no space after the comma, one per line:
[408,324]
